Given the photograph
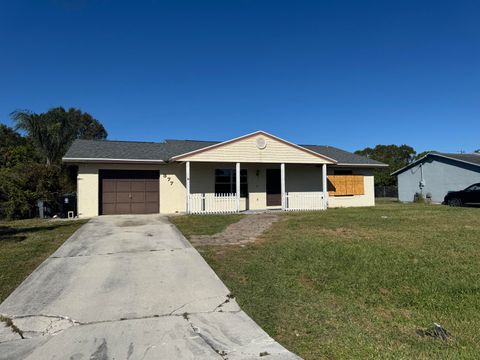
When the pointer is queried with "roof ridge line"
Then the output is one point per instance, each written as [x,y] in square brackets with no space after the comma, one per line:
[123,141]
[446,153]
[215,141]
[315,145]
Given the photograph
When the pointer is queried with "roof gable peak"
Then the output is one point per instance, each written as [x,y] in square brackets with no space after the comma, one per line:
[249,135]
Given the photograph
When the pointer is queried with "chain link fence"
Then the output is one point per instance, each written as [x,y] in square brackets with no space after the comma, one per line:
[386,192]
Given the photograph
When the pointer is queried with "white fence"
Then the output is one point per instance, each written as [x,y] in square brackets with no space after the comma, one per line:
[213,203]
[298,201]
[201,203]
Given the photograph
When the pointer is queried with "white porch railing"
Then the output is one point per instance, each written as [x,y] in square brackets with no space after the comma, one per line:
[213,203]
[301,201]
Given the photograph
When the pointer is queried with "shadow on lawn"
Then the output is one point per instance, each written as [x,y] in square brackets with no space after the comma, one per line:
[18,234]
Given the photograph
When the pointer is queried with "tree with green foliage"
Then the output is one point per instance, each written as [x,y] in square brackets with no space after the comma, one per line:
[30,165]
[14,148]
[22,185]
[423,154]
[18,177]
[393,155]
[54,131]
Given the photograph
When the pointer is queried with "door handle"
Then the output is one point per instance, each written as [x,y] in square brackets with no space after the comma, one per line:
[130,196]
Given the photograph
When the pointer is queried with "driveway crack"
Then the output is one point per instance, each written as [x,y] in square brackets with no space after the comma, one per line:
[115,253]
[198,300]
[222,353]
[39,325]
[9,324]
[227,300]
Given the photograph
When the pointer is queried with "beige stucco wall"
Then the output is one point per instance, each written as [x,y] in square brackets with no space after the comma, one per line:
[172,188]
[300,178]
[246,151]
[368,199]
[87,190]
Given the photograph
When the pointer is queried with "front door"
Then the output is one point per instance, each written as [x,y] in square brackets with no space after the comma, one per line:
[274,189]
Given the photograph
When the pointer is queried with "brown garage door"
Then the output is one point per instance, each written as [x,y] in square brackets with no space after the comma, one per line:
[129,192]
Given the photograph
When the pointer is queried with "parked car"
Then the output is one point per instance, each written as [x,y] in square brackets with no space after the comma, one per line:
[469,196]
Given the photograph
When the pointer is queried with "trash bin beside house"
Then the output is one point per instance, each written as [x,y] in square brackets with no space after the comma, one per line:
[65,206]
[68,206]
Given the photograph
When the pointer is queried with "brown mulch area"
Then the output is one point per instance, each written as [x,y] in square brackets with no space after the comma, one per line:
[246,230]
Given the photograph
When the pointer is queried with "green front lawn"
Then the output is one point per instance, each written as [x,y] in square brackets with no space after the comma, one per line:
[24,244]
[360,282]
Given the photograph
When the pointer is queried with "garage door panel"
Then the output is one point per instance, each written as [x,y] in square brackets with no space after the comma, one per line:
[123,197]
[138,185]
[109,185]
[151,185]
[138,197]
[123,186]
[151,208]
[108,209]
[138,208]
[151,196]
[123,208]
[109,197]
[129,192]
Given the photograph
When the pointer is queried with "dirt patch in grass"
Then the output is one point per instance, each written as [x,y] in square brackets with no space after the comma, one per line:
[191,225]
[248,229]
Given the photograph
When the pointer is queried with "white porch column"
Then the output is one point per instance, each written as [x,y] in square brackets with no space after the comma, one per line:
[324,183]
[282,185]
[187,181]
[237,183]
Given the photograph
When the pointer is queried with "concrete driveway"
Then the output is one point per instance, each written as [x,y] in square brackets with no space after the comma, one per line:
[129,287]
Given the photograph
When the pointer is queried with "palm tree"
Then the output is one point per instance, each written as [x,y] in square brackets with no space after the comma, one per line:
[53,132]
[37,129]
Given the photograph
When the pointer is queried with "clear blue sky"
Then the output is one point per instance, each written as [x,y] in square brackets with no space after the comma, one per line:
[345,73]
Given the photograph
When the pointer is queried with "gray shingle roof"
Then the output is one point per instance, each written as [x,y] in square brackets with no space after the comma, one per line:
[342,156]
[473,159]
[133,150]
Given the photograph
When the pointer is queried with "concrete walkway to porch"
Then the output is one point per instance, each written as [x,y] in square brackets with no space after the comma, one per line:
[129,287]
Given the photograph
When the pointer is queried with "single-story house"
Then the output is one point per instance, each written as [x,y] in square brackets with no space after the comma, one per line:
[251,172]
[436,174]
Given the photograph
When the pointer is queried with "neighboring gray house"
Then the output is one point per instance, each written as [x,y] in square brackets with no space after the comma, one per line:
[437,174]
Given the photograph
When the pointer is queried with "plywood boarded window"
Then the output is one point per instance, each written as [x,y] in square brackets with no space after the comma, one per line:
[346,185]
